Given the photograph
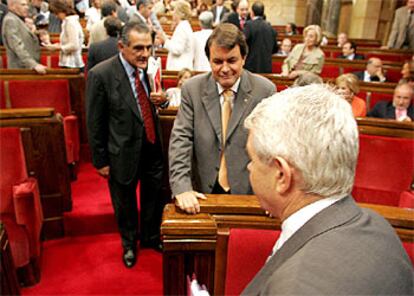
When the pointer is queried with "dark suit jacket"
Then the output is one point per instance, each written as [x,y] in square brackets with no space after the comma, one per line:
[356,57]
[223,12]
[261,39]
[233,18]
[360,75]
[103,50]
[343,250]
[385,109]
[115,125]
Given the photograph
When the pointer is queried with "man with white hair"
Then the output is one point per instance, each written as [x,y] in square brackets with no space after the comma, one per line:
[22,45]
[201,62]
[303,146]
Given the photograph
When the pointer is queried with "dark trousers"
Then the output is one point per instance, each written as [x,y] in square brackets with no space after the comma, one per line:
[124,199]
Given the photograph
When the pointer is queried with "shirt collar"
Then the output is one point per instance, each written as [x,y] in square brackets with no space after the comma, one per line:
[234,88]
[128,68]
[295,221]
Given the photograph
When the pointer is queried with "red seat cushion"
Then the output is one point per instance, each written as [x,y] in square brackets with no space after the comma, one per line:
[248,250]
[19,241]
[40,93]
[406,200]
[385,169]
[277,66]
[330,71]
[12,165]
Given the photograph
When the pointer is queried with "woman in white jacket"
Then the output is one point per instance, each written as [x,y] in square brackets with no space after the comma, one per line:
[180,46]
[71,37]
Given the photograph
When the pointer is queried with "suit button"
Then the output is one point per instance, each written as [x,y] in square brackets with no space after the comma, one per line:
[217,168]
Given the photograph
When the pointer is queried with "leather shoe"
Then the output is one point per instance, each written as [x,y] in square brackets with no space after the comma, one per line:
[129,258]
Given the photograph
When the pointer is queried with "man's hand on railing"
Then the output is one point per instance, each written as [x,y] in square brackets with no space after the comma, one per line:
[188,201]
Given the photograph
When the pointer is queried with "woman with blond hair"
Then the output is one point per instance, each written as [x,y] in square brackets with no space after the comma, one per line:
[180,45]
[348,87]
[306,56]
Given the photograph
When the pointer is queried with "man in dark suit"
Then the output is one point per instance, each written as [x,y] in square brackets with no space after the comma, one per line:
[219,12]
[124,137]
[373,71]
[261,39]
[349,52]
[240,15]
[103,50]
[328,245]
[207,148]
[400,108]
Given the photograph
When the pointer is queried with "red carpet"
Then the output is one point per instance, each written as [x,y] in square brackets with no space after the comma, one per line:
[88,260]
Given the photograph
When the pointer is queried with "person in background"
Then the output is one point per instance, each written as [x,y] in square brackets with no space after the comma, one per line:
[349,52]
[22,45]
[401,107]
[103,50]
[240,15]
[200,39]
[144,15]
[219,12]
[402,31]
[261,39]
[306,56]
[373,72]
[180,47]
[174,93]
[98,31]
[341,39]
[290,29]
[285,48]
[93,14]
[307,78]
[303,149]
[124,136]
[207,147]
[348,87]
[71,37]
[407,72]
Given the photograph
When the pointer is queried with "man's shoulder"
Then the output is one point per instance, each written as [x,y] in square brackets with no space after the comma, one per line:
[197,81]
[258,80]
[107,66]
[10,17]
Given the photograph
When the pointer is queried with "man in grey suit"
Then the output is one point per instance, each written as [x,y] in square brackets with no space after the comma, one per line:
[402,31]
[303,146]
[22,45]
[201,161]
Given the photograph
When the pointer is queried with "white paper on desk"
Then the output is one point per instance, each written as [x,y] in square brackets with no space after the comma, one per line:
[154,73]
[194,288]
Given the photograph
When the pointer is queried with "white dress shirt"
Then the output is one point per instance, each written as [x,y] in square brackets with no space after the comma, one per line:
[201,62]
[295,221]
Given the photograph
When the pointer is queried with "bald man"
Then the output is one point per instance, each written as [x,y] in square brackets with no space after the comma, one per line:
[22,45]
[240,15]
[401,107]
[373,72]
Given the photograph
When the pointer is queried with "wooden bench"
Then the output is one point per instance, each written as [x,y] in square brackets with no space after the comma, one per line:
[198,243]
[76,88]
[45,153]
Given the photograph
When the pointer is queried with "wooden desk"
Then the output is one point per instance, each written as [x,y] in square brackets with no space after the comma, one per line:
[190,241]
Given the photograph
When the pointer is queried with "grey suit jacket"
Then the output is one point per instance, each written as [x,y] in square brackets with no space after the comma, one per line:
[22,46]
[343,250]
[399,29]
[196,139]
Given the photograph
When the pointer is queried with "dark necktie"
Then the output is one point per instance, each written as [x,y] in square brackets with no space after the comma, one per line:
[145,109]
[242,22]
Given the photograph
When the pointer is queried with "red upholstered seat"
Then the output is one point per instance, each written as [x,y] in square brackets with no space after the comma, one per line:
[247,252]
[277,66]
[20,207]
[169,83]
[384,170]
[2,97]
[406,199]
[49,93]
[330,71]
[376,97]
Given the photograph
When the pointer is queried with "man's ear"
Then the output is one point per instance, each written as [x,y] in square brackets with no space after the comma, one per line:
[120,45]
[284,177]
